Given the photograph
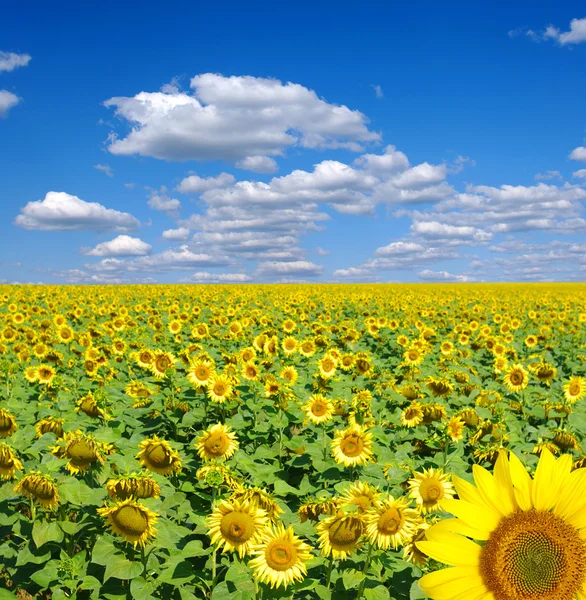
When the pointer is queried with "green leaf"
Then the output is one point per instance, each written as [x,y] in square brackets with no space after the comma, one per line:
[379,592]
[415,592]
[140,588]
[122,568]
[103,551]
[46,531]
[352,578]
[6,595]
[45,577]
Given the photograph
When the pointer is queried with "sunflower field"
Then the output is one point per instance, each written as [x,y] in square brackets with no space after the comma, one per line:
[293,441]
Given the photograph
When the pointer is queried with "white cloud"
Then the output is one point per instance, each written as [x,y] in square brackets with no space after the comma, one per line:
[378,91]
[428,275]
[548,175]
[434,229]
[130,186]
[206,277]
[159,200]
[62,211]
[322,251]
[123,245]
[578,153]
[7,101]
[11,60]
[231,118]
[383,165]
[176,235]
[579,174]
[106,169]
[198,185]
[297,267]
[420,176]
[258,164]
[575,35]
[399,248]
[177,259]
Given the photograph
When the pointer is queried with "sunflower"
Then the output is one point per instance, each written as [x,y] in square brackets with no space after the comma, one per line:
[362,495]
[131,520]
[289,345]
[312,508]
[411,552]
[39,487]
[258,497]
[81,450]
[9,462]
[575,389]
[45,374]
[339,534]
[200,373]
[219,389]
[531,532]
[236,525]
[87,404]
[218,441]
[7,423]
[516,378]
[250,371]
[430,489]
[31,374]
[162,362]
[412,415]
[545,373]
[280,559]
[136,485]
[455,428]
[440,387]
[318,409]
[50,425]
[158,456]
[327,367]
[352,446]
[289,374]
[390,523]
[215,475]
[144,358]
[413,357]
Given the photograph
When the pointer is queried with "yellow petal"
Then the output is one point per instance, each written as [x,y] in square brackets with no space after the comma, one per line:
[448,583]
[478,517]
[466,491]
[544,482]
[488,490]
[458,526]
[572,497]
[522,483]
[452,550]
[502,475]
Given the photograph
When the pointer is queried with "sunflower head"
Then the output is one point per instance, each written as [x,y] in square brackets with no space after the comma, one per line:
[9,462]
[340,534]
[158,456]
[312,508]
[82,450]
[39,487]
[215,475]
[135,485]
[361,495]
[280,558]
[318,409]
[217,442]
[429,489]
[258,497]
[390,523]
[130,520]
[352,446]
[7,423]
[50,425]
[236,526]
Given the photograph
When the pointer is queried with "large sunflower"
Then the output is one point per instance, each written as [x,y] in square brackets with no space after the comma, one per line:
[575,389]
[532,534]
[130,520]
[352,446]
[280,559]
[219,389]
[236,526]
[158,456]
[516,378]
[218,441]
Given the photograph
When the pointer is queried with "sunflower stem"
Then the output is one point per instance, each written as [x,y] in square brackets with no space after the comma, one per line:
[33,511]
[364,572]
[329,575]
[325,445]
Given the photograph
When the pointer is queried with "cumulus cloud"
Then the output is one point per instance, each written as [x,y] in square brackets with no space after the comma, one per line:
[575,35]
[7,101]
[322,251]
[579,174]
[206,277]
[232,118]
[177,259]
[258,164]
[578,153]
[176,235]
[159,200]
[427,275]
[383,165]
[420,176]
[62,211]
[106,169]
[123,245]
[399,248]
[11,60]
[286,268]
[434,229]
[548,175]
[198,185]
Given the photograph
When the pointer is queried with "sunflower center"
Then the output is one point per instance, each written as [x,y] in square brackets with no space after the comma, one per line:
[280,555]
[345,532]
[516,378]
[158,456]
[352,445]
[163,363]
[201,373]
[131,520]
[389,522]
[217,443]
[318,409]
[534,555]
[574,389]
[431,491]
[237,527]
[219,389]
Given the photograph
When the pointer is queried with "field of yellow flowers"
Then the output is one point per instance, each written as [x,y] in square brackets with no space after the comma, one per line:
[293,441]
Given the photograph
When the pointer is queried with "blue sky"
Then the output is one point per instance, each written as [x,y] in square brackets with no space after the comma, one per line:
[408,142]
